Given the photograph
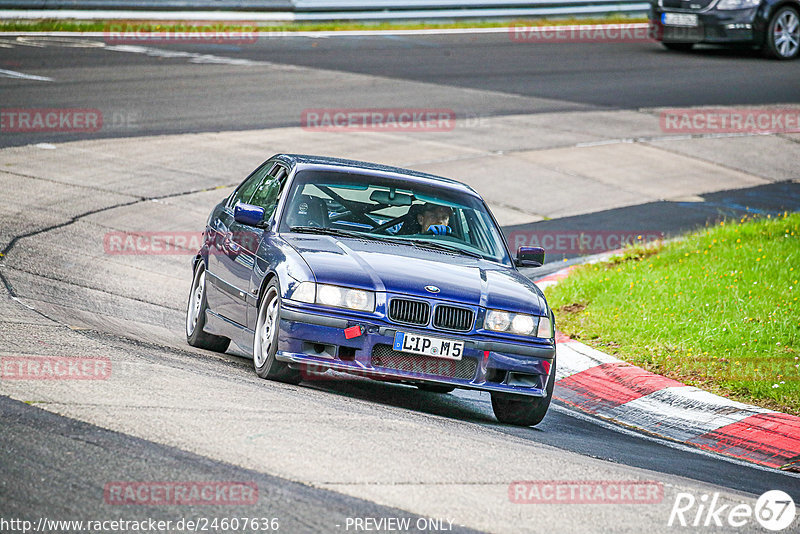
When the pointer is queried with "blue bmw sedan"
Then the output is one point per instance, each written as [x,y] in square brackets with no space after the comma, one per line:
[326,264]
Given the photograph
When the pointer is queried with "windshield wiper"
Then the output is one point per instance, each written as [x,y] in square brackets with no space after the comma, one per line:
[340,233]
[421,243]
[324,231]
[448,248]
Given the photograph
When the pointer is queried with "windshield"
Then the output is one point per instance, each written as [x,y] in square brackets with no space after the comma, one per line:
[391,209]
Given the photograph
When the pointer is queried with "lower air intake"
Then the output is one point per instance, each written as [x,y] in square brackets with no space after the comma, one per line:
[384,357]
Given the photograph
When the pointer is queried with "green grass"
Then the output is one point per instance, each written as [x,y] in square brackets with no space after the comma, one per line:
[51,25]
[717,309]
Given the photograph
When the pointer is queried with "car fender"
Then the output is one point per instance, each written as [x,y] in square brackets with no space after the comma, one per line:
[764,14]
[276,258]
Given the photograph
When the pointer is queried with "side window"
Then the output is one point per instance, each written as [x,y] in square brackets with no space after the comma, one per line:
[479,234]
[268,192]
[245,191]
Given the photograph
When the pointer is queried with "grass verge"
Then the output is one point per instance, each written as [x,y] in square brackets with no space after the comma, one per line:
[717,309]
[55,25]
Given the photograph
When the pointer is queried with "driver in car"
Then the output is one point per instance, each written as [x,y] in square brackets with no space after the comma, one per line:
[434,219]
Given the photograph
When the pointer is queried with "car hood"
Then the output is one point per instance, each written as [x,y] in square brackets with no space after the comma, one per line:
[399,268]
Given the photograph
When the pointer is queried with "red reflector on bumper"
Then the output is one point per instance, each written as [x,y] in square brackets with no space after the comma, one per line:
[546,366]
[353,331]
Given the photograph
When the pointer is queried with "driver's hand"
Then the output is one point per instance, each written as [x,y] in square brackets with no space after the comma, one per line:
[439,229]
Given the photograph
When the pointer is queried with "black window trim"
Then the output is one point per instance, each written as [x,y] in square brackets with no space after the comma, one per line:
[229,203]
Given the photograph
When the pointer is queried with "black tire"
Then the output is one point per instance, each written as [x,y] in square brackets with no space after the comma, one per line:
[196,316]
[435,388]
[267,327]
[521,410]
[679,47]
[774,45]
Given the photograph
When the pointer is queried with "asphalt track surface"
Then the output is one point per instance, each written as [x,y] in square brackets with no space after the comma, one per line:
[91,457]
[58,465]
[139,95]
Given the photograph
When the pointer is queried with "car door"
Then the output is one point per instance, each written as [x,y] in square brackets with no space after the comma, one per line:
[229,265]
[266,196]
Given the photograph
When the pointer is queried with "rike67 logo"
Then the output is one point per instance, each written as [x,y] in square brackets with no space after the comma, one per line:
[774,510]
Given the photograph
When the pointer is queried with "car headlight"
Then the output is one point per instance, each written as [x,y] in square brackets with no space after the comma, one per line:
[545,328]
[518,323]
[522,324]
[499,321]
[335,296]
[737,4]
[305,292]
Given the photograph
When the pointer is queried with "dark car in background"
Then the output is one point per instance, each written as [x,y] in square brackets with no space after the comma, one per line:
[772,25]
[330,264]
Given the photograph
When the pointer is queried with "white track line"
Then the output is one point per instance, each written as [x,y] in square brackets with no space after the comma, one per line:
[22,76]
[191,56]
[364,33]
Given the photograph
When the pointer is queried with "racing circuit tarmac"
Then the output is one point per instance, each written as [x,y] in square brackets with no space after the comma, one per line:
[555,138]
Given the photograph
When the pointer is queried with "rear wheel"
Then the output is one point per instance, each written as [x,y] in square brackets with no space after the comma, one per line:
[783,34]
[679,47]
[435,388]
[265,344]
[196,316]
[522,410]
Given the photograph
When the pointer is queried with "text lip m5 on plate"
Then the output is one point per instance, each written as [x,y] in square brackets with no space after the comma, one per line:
[428,346]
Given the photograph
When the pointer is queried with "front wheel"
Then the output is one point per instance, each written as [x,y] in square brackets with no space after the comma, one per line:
[196,316]
[521,410]
[265,344]
[783,34]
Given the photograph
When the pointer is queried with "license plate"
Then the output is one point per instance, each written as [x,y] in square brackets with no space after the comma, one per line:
[428,346]
[679,19]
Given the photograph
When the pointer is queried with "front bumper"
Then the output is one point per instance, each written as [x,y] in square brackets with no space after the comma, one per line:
[314,342]
[714,26]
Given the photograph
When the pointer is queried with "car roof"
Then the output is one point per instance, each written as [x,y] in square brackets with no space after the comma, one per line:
[306,161]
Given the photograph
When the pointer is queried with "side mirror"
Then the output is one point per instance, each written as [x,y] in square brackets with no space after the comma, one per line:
[530,257]
[248,214]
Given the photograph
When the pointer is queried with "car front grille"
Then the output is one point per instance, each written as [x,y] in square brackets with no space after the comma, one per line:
[385,357]
[409,311]
[453,318]
[689,5]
